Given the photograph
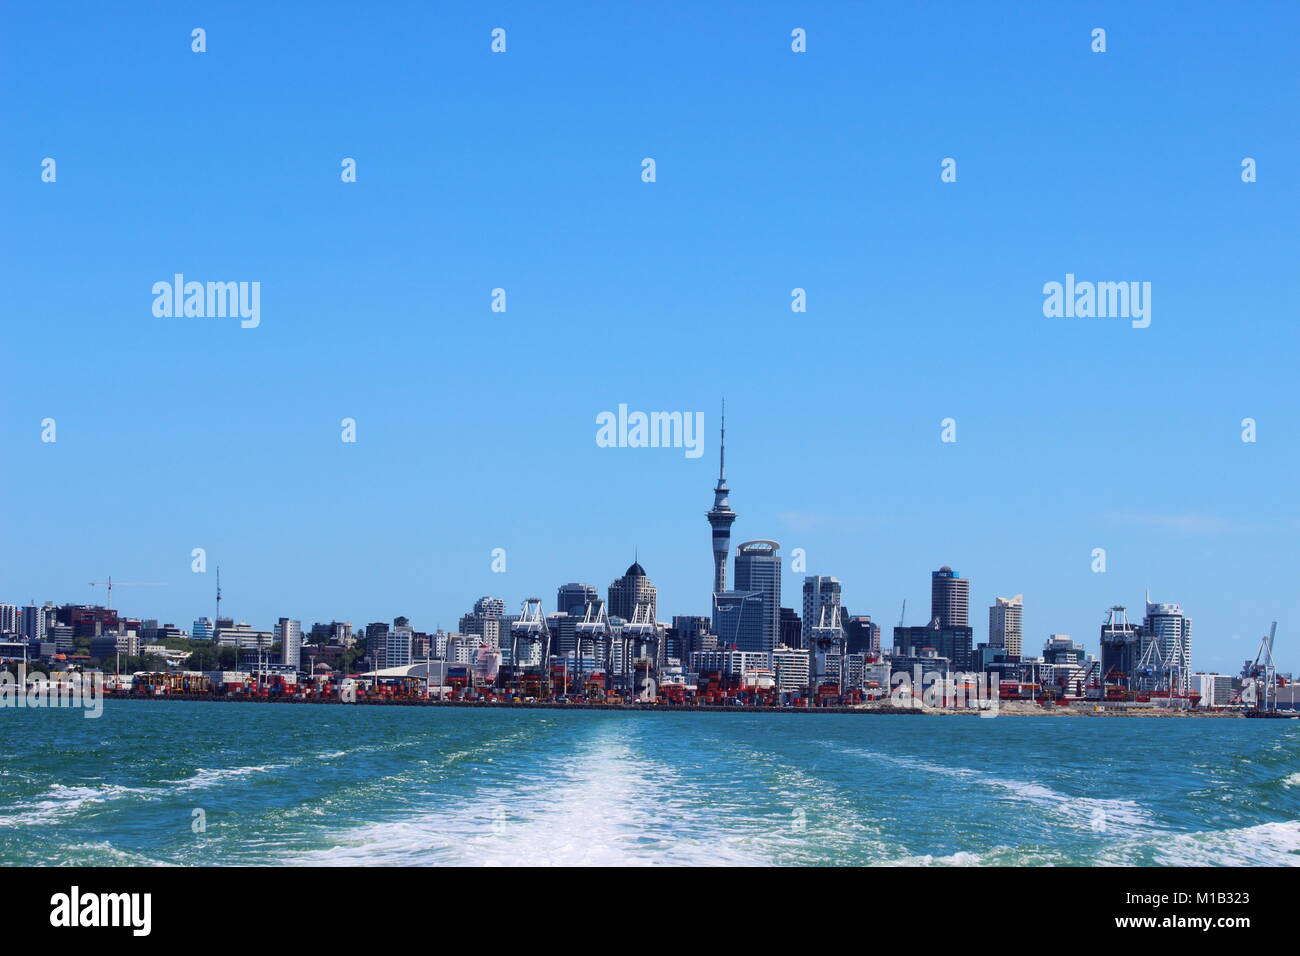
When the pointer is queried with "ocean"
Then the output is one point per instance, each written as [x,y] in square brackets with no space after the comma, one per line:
[194,783]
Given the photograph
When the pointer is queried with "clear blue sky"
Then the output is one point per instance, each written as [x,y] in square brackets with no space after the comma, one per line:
[775,170]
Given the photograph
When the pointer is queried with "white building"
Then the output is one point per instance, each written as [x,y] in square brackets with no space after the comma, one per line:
[289,633]
[1215,689]
[244,637]
[397,646]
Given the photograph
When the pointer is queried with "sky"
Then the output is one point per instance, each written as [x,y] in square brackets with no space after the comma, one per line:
[774,170]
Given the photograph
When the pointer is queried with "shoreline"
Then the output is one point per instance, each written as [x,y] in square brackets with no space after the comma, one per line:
[885,710]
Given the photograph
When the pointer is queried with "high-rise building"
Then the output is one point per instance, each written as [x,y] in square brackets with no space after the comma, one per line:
[10,619]
[720,515]
[952,643]
[949,598]
[202,629]
[377,644]
[397,644]
[563,628]
[289,634]
[632,589]
[1005,622]
[689,628]
[819,591]
[33,623]
[485,620]
[861,635]
[791,628]
[758,571]
[738,619]
[1170,630]
[573,598]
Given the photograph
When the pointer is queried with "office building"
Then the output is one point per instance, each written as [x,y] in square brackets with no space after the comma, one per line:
[573,598]
[485,621]
[397,644]
[758,571]
[791,628]
[1006,618]
[819,591]
[289,634]
[738,620]
[1216,690]
[953,644]
[631,590]
[861,635]
[949,599]
[33,623]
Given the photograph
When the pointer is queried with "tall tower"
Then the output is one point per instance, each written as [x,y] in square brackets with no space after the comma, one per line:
[949,598]
[720,515]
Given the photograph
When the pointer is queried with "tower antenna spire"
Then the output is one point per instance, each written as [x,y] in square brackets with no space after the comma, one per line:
[722,447]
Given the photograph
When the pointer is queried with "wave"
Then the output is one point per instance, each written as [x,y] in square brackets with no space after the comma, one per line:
[605,806]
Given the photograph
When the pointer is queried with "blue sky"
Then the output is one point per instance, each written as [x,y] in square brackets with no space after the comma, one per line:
[775,170]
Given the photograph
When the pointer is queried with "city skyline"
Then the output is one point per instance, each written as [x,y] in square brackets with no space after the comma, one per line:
[750,628]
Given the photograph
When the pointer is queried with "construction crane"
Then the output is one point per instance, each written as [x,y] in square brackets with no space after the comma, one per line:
[637,635]
[826,635]
[903,614]
[1261,675]
[531,628]
[110,584]
[593,628]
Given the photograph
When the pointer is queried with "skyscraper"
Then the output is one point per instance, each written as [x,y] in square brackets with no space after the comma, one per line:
[758,571]
[631,589]
[485,620]
[1005,620]
[397,644]
[949,598]
[1170,630]
[819,591]
[33,623]
[861,635]
[573,598]
[791,628]
[738,620]
[290,637]
[720,515]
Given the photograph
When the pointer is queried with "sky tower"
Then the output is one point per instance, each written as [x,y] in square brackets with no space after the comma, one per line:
[720,515]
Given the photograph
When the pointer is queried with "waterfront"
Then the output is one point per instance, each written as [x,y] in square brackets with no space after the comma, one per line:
[376,785]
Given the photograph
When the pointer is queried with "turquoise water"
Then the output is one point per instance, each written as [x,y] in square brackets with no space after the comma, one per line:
[309,784]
